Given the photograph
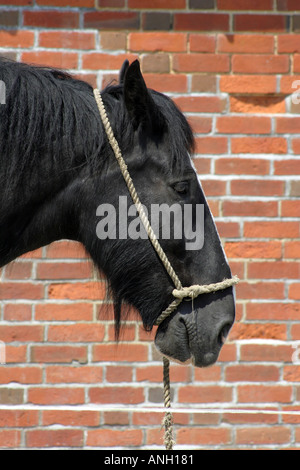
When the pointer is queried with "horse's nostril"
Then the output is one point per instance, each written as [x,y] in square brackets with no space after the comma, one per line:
[224,333]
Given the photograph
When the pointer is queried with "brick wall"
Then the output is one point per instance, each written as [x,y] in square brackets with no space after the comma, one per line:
[230,65]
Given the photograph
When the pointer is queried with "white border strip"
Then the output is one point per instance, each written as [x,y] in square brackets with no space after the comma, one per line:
[144,409]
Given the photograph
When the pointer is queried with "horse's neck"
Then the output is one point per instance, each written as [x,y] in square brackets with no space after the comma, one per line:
[32,222]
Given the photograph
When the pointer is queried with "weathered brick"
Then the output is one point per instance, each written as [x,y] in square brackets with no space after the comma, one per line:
[262,23]
[168,42]
[112,20]
[51,19]
[245,84]
[201,22]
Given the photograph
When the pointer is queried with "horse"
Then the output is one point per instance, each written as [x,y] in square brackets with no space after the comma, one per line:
[58,175]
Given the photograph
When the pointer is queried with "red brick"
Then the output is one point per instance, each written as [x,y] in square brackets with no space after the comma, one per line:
[296,146]
[278,229]
[166,82]
[287,167]
[117,373]
[245,4]
[58,354]
[265,393]
[263,435]
[10,438]
[292,248]
[245,84]
[228,229]
[201,22]
[201,63]
[211,145]
[56,396]
[202,165]
[291,373]
[116,417]
[258,249]
[16,354]
[161,4]
[121,352]
[273,311]
[262,23]
[253,187]
[295,329]
[70,418]
[77,291]
[24,333]
[294,291]
[288,43]
[114,20]
[296,63]
[66,374]
[260,64]
[200,125]
[245,43]
[240,417]
[257,104]
[64,312]
[22,375]
[66,249]
[81,332]
[157,41]
[204,83]
[287,125]
[256,145]
[67,3]
[264,331]
[55,438]
[113,40]
[18,270]
[214,187]
[64,270]
[290,84]
[242,166]
[21,290]
[251,373]
[203,436]
[114,437]
[260,290]
[19,418]
[51,19]
[67,40]
[100,61]
[17,312]
[65,60]
[250,208]
[110,3]
[287,5]
[266,352]
[204,394]
[274,270]
[202,43]
[243,125]
[18,39]
[202,104]
[124,395]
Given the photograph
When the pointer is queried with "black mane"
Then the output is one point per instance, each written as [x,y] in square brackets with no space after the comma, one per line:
[48,110]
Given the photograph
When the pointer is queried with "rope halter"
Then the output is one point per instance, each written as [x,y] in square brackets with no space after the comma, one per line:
[179,292]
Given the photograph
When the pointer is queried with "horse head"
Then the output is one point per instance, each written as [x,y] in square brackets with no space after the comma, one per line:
[157,155]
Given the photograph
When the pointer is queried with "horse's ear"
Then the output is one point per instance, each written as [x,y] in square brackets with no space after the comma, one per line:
[123,71]
[140,105]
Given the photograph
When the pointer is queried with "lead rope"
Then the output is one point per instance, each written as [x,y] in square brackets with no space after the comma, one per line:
[180,292]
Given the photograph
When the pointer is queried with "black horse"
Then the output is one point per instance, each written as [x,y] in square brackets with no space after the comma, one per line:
[57,169]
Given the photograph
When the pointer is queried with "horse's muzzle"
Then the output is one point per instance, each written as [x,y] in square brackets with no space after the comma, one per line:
[197,331]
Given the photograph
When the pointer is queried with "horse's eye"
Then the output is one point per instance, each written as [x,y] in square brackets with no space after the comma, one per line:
[181,187]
